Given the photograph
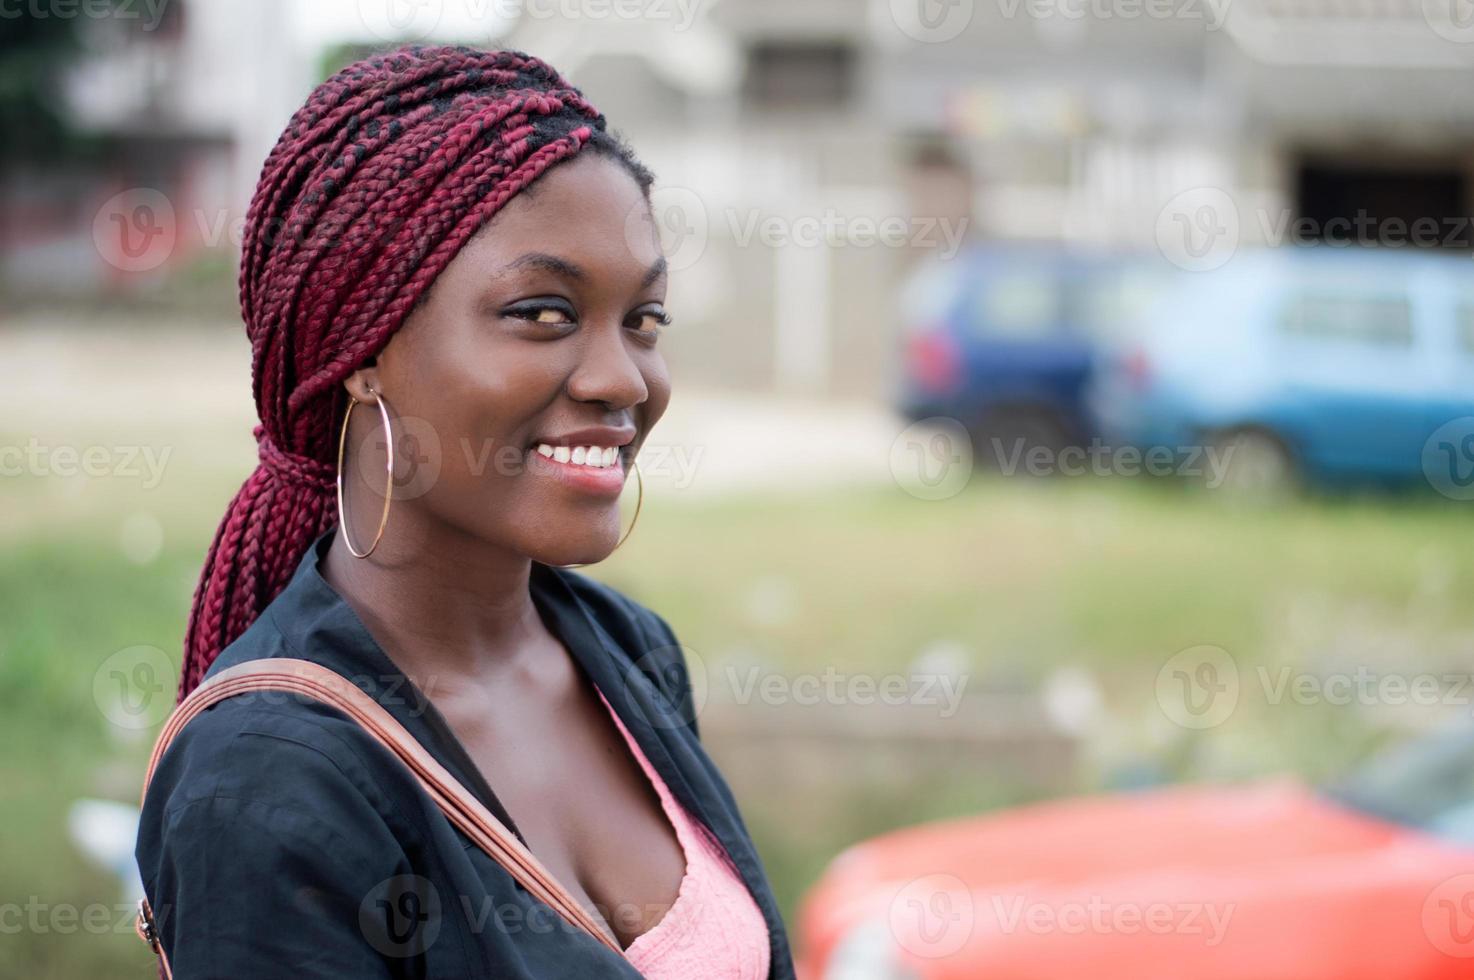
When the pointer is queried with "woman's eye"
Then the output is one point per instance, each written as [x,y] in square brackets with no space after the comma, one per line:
[550,313]
[651,321]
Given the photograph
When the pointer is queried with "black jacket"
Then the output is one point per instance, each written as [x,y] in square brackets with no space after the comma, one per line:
[279,839]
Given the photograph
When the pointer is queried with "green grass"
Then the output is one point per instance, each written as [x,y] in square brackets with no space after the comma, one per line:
[1032,576]
[1112,575]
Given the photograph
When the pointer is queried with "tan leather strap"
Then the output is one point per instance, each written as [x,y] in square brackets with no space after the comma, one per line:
[144,926]
[324,684]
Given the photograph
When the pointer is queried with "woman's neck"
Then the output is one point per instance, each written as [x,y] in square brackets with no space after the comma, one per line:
[438,601]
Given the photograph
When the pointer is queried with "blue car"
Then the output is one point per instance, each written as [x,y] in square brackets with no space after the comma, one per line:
[1004,337]
[1314,365]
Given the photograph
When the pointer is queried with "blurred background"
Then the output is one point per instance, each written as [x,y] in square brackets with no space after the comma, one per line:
[1064,502]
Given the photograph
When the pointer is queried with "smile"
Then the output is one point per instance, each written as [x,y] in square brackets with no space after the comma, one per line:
[598,457]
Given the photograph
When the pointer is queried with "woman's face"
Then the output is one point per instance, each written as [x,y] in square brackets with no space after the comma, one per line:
[541,332]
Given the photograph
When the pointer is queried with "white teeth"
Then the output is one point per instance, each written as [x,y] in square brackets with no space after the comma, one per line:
[598,457]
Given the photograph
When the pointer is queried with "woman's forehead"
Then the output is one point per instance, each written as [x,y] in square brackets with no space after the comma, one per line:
[588,212]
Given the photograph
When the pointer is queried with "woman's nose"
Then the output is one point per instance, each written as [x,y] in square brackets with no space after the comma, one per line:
[606,372]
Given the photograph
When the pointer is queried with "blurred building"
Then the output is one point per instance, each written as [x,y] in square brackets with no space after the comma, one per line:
[1081,120]
[188,98]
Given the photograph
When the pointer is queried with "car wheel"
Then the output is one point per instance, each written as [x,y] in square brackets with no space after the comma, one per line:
[1251,464]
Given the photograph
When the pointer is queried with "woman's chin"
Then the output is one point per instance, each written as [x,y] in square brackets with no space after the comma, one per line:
[580,551]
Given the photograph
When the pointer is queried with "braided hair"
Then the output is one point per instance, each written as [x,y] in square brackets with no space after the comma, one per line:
[378,180]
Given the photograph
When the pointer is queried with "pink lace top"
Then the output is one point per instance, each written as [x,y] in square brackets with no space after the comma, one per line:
[714,931]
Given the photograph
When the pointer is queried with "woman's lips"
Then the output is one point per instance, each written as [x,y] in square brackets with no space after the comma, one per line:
[605,481]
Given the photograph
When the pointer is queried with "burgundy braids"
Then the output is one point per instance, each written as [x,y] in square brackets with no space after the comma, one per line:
[378,180]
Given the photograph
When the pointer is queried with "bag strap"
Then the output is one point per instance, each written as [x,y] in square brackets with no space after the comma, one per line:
[303,677]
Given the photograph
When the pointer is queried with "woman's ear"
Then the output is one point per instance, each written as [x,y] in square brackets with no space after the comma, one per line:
[362,380]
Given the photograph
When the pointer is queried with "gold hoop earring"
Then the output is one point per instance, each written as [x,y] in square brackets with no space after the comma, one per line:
[388,473]
[639,501]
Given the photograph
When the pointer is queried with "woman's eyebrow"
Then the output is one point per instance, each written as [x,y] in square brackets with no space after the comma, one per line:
[544,262]
[656,270]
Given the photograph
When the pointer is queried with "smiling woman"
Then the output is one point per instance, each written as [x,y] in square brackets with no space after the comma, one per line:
[451,238]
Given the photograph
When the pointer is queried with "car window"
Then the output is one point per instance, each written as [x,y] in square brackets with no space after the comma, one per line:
[1016,304]
[1115,306]
[1381,321]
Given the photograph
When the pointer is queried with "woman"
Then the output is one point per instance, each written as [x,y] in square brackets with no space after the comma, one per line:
[451,239]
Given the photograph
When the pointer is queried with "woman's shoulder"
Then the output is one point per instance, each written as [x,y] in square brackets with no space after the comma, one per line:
[250,791]
[272,749]
[256,810]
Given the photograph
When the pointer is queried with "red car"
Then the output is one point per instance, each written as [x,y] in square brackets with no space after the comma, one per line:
[1269,881]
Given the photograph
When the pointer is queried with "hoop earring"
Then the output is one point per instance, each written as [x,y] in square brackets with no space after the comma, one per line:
[639,501]
[388,473]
